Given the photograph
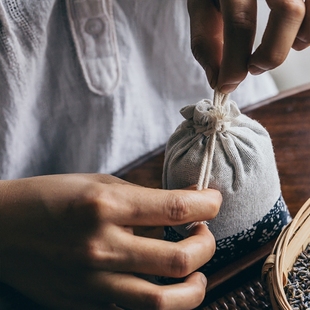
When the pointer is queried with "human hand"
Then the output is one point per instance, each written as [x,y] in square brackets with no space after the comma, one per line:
[67,242]
[223,31]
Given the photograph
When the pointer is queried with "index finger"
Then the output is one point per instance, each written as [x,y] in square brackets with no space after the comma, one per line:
[206,29]
[135,206]
[284,22]
[239,18]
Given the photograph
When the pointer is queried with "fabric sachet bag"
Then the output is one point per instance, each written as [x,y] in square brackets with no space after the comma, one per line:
[219,147]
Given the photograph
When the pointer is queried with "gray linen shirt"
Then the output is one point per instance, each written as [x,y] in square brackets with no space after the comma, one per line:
[91,85]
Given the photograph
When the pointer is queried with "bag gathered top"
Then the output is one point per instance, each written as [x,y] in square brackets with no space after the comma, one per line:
[218,147]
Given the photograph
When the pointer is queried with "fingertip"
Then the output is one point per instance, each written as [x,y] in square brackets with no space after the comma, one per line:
[186,295]
[254,70]
[198,280]
[214,199]
[211,76]
[199,228]
[228,88]
[208,238]
[230,78]
[259,62]
[215,194]
[197,277]
[203,279]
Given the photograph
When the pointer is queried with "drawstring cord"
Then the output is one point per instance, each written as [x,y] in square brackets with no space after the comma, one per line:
[218,121]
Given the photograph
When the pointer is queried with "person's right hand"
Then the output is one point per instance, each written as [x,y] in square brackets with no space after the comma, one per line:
[67,242]
[223,32]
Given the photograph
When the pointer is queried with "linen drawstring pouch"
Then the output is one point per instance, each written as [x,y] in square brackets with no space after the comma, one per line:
[219,147]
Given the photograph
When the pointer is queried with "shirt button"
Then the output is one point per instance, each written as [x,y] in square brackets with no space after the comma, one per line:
[94,26]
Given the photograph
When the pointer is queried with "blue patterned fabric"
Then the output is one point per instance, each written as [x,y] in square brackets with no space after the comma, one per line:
[235,246]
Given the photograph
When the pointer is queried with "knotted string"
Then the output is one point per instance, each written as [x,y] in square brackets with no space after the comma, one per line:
[217,122]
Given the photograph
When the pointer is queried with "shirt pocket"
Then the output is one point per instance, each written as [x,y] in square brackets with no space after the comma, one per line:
[93,31]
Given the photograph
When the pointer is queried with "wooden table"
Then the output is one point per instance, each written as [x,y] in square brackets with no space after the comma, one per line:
[287,118]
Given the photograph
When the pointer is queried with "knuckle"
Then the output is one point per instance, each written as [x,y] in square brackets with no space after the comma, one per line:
[136,211]
[241,20]
[81,213]
[292,8]
[90,254]
[73,256]
[87,211]
[274,59]
[176,207]
[90,198]
[97,202]
[180,263]
[154,301]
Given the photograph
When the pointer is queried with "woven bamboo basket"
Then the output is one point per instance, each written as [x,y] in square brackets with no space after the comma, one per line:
[291,242]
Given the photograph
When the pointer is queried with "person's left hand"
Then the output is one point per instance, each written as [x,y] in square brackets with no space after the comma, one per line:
[67,242]
[223,32]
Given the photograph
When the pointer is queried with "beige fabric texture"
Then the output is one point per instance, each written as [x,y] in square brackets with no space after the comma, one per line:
[243,166]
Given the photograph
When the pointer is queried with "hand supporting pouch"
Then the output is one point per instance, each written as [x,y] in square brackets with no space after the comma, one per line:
[219,147]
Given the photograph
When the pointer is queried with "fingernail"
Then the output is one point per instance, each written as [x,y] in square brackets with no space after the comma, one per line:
[210,76]
[256,70]
[203,280]
[228,88]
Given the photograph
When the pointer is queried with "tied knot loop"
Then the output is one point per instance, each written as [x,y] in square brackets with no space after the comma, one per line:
[208,118]
[215,120]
